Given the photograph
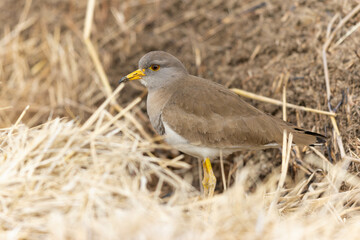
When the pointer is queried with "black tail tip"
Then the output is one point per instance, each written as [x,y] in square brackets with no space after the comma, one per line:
[320,139]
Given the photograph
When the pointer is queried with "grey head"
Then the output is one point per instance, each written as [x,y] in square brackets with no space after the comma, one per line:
[157,69]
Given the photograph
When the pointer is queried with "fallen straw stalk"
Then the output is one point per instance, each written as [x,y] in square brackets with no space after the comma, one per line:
[278,102]
[5,108]
[100,69]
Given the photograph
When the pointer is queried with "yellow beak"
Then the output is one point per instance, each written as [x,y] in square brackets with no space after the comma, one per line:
[138,74]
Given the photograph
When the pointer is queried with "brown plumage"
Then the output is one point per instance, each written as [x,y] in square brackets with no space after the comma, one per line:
[208,114]
[199,113]
[202,118]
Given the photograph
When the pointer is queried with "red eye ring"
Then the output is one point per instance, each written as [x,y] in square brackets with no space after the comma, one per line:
[155,67]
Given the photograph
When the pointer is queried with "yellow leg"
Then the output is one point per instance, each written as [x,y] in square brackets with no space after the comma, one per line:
[209,181]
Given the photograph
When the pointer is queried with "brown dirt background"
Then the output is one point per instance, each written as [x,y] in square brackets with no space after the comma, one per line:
[251,45]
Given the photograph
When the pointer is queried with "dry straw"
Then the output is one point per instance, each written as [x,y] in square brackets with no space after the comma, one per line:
[98,174]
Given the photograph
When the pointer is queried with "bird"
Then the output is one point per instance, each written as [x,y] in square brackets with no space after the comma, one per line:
[204,119]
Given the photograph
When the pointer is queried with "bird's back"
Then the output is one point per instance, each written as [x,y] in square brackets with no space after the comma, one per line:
[208,114]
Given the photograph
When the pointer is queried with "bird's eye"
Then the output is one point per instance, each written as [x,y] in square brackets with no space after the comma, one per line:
[155,67]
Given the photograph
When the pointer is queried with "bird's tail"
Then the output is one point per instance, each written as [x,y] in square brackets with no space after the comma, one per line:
[303,137]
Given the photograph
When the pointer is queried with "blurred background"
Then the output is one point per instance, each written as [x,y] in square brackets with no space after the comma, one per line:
[54,173]
[250,45]
[245,44]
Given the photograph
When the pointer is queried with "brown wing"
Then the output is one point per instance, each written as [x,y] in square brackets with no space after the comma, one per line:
[208,114]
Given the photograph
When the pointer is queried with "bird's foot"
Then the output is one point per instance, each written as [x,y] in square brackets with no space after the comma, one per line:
[209,180]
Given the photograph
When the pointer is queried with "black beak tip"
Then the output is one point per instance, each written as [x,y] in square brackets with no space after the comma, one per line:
[123,79]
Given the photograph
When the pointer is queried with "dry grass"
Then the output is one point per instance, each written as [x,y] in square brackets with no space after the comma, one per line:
[79,161]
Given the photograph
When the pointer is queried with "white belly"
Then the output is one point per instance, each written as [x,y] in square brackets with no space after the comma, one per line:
[180,143]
